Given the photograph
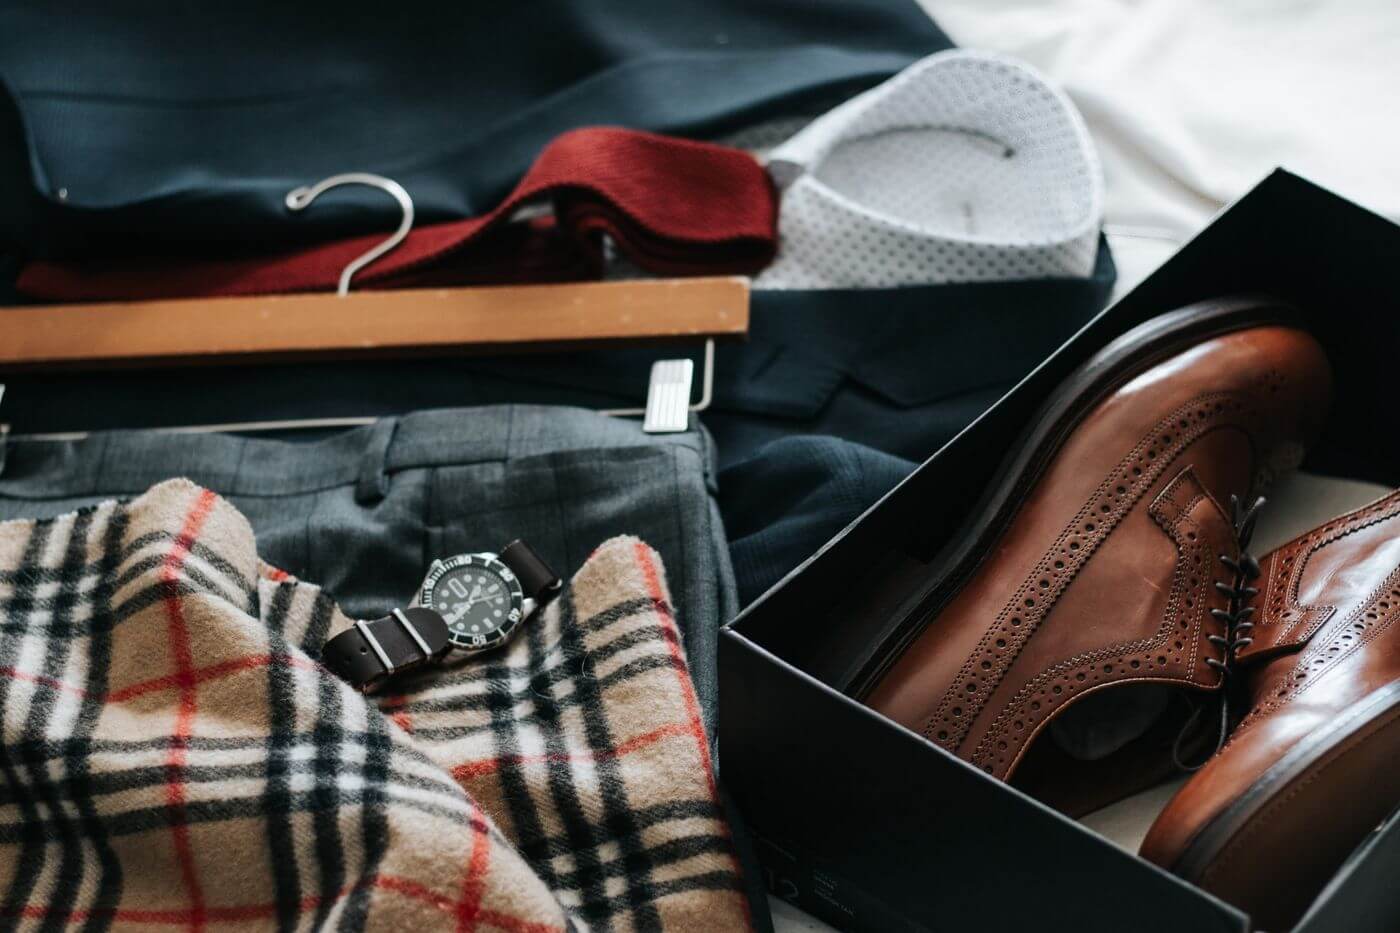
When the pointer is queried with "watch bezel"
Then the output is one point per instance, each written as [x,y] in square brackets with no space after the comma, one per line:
[473,644]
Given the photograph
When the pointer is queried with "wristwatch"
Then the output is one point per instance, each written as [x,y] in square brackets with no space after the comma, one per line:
[471,602]
[484,598]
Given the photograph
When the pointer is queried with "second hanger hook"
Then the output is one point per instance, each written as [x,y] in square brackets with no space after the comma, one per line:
[301,198]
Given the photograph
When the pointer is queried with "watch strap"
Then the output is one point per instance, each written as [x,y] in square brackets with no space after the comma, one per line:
[367,653]
[537,580]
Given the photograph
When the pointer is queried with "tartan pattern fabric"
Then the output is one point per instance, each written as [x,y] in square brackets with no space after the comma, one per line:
[174,756]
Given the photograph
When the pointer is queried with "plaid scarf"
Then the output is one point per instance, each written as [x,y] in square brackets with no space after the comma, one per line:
[174,755]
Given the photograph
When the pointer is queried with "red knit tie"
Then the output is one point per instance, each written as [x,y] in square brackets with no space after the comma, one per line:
[671,206]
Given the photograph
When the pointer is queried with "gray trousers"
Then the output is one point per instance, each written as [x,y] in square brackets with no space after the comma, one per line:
[363,512]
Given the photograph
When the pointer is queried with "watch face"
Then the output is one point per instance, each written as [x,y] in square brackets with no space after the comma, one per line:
[477,596]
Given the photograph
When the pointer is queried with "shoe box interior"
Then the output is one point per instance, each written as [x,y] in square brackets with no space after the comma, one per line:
[868,825]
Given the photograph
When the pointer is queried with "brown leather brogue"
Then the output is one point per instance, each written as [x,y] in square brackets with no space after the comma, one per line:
[1315,763]
[1093,561]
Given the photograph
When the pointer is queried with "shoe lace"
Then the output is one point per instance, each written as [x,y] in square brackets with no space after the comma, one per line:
[1235,624]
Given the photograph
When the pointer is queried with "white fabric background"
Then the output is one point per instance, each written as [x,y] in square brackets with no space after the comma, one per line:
[1190,102]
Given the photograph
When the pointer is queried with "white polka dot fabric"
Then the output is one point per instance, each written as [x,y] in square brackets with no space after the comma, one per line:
[965,167]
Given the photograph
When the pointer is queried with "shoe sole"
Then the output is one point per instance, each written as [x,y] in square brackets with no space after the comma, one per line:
[1072,401]
[1369,729]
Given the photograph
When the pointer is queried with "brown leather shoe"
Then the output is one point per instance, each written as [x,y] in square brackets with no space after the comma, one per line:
[1093,560]
[1315,764]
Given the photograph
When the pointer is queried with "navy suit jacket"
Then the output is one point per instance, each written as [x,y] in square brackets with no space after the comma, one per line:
[159,128]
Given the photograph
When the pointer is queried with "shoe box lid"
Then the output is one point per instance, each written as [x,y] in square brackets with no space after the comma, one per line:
[869,826]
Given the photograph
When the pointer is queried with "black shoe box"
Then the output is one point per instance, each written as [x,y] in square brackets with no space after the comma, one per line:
[870,827]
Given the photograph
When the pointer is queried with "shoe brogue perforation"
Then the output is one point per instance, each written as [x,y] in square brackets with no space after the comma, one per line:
[1107,549]
[1360,627]
[1288,622]
[1133,476]
[1313,761]
[1173,649]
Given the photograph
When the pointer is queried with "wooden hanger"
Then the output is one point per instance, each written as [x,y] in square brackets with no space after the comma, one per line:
[380,323]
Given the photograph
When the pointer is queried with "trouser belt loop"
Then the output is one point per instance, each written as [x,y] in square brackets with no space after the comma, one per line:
[373,482]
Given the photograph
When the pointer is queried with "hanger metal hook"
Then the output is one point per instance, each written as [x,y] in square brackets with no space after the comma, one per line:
[301,198]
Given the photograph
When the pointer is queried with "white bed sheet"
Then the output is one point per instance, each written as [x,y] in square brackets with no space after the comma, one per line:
[1192,101]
